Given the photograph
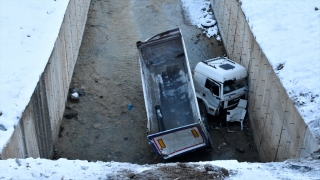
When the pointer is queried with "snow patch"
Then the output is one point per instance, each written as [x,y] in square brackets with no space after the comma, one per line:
[307,168]
[199,13]
[29,30]
[289,34]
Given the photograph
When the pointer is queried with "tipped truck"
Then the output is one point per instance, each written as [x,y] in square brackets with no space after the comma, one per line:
[174,123]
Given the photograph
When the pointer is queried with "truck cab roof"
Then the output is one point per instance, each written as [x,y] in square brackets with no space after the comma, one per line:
[221,69]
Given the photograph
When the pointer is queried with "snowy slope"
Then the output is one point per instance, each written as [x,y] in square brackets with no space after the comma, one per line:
[289,34]
[29,168]
[28,32]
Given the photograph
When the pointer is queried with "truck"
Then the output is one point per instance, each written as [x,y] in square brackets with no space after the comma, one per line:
[174,123]
[220,85]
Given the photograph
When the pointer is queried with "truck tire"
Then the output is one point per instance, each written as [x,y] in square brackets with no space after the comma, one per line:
[203,114]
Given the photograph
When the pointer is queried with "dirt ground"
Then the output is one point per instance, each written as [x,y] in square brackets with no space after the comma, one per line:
[183,171]
[100,126]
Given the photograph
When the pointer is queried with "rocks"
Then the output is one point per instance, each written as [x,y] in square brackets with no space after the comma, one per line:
[81,92]
[56,155]
[131,175]
[240,150]
[300,168]
[60,131]
[70,113]
[18,162]
[2,128]
[97,126]
[216,170]
[74,97]
[97,136]
[81,120]
[75,94]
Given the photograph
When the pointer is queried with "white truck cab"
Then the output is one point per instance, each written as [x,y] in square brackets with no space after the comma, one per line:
[220,83]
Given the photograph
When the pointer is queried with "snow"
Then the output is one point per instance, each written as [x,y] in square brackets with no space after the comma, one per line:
[28,32]
[30,168]
[63,169]
[198,13]
[289,34]
[75,94]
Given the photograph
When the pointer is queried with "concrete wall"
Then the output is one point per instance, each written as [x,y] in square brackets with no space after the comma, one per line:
[279,131]
[38,128]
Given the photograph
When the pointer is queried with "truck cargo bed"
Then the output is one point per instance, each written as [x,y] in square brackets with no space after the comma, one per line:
[166,82]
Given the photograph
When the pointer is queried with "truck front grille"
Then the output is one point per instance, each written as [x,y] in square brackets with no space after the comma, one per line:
[234,102]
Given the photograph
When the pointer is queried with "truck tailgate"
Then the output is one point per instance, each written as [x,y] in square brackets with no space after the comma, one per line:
[178,141]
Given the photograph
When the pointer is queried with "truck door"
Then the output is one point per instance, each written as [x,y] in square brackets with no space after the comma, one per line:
[212,92]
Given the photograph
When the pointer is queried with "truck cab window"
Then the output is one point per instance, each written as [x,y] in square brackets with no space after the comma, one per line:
[213,87]
[230,86]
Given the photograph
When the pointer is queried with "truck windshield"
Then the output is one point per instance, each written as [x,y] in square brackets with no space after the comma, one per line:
[230,86]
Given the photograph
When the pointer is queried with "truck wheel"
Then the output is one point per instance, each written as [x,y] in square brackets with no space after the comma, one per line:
[203,114]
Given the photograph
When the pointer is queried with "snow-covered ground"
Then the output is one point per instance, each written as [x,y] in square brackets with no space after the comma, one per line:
[289,34]
[308,168]
[199,13]
[28,32]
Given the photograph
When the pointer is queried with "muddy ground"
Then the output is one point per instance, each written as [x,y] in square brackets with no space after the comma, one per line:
[100,127]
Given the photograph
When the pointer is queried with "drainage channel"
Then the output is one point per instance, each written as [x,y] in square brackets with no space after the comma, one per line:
[100,126]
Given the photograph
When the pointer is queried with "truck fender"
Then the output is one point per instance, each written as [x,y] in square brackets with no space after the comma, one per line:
[205,102]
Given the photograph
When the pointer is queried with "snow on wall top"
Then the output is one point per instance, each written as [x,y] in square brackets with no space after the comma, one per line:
[30,168]
[289,34]
[28,32]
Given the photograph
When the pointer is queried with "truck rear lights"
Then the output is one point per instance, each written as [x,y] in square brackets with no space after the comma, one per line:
[195,133]
[161,143]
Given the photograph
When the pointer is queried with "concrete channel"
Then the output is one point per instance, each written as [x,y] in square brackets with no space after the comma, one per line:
[105,69]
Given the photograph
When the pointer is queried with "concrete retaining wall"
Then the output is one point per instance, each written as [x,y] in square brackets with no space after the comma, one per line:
[279,131]
[38,128]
